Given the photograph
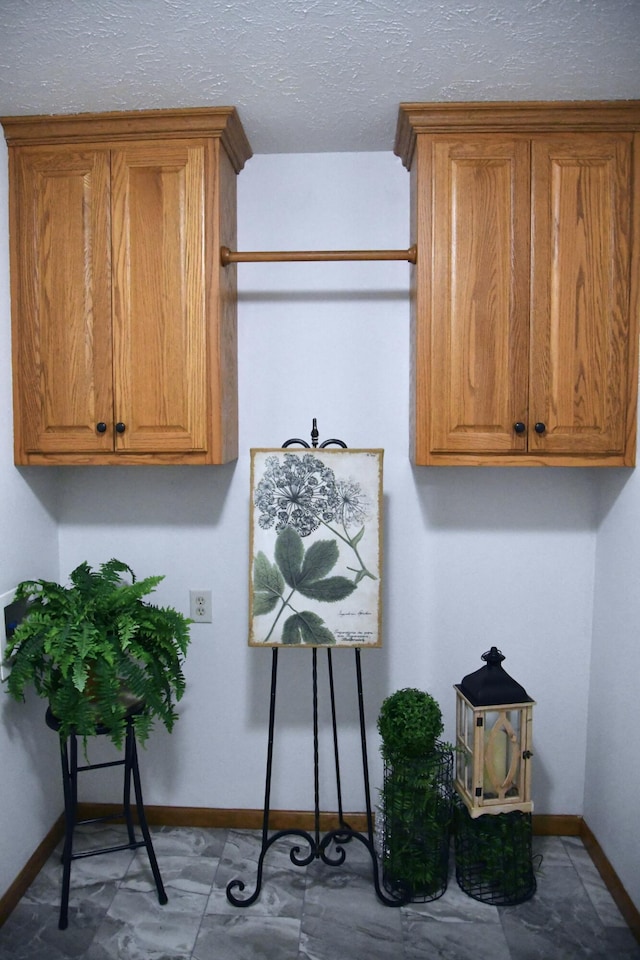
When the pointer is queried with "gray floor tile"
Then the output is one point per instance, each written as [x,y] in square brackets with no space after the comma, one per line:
[313,912]
[344,920]
[558,923]
[247,936]
[186,874]
[282,884]
[31,933]
[597,892]
[454,906]
[364,937]
[137,927]
[550,852]
[192,842]
[453,941]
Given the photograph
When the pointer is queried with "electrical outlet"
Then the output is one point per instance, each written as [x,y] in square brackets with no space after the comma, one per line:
[200,604]
[13,614]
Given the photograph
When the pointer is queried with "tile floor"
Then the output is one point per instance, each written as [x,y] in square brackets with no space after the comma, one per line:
[312,913]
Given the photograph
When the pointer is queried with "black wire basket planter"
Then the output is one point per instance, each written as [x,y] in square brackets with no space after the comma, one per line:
[417,811]
[493,853]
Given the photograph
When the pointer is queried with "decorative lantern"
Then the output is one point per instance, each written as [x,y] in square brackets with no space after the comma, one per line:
[493,740]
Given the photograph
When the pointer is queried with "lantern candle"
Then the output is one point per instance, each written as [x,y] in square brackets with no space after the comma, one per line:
[495,755]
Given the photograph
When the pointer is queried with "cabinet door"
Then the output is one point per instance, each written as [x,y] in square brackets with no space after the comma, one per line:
[580,293]
[478,303]
[159,320]
[62,301]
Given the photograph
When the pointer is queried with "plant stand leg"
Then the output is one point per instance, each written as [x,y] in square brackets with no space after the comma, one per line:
[129,744]
[69,759]
[142,819]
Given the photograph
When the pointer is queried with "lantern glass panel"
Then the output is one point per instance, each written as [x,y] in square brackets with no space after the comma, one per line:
[502,752]
[464,736]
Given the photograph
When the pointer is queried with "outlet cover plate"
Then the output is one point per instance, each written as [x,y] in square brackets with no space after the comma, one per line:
[200,606]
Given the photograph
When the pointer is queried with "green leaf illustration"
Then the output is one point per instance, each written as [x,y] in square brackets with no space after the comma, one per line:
[330,590]
[268,585]
[306,627]
[266,575]
[289,553]
[358,537]
[320,558]
[306,572]
[263,603]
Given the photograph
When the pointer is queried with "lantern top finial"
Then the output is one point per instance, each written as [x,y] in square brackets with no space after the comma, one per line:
[491,684]
[493,656]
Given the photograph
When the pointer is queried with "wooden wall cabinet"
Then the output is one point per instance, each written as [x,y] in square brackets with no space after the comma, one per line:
[123,320]
[525,294]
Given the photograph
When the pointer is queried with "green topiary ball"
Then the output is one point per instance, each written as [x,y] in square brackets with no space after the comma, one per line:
[410,722]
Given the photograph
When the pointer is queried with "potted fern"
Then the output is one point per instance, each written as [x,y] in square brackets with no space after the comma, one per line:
[417,795]
[95,647]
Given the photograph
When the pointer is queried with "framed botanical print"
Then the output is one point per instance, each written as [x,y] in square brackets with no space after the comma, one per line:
[315,548]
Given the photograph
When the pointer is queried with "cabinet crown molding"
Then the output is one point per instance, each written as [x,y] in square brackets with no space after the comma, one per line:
[528,116]
[218,122]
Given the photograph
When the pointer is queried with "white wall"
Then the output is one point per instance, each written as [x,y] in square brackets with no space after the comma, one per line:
[29,547]
[613,769]
[472,557]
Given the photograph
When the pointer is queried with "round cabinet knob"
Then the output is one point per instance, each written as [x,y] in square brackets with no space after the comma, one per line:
[540,427]
[519,427]
[101,427]
[120,428]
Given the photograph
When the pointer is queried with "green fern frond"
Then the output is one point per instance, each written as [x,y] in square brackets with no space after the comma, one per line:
[80,644]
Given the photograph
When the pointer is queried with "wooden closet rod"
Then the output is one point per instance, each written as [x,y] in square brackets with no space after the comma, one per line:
[228,256]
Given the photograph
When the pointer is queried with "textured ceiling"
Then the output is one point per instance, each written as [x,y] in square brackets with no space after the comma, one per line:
[312,75]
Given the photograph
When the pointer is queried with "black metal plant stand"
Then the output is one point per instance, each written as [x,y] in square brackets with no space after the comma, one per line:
[494,859]
[70,771]
[328,847]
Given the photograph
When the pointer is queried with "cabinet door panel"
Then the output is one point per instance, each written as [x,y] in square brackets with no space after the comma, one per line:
[580,293]
[63,343]
[479,298]
[160,339]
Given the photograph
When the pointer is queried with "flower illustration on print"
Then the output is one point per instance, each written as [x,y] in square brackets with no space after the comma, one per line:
[298,492]
[354,506]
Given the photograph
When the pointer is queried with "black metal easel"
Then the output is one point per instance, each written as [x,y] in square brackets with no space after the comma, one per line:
[318,846]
